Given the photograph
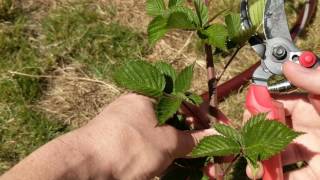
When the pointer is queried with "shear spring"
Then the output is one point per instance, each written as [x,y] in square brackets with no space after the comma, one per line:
[282,86]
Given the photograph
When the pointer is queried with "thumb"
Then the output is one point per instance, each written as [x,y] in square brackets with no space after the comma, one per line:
[307,79]
[188,140]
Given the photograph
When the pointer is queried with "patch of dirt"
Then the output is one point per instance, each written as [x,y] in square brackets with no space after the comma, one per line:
[75,98]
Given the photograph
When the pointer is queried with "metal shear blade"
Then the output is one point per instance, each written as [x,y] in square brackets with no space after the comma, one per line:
[275,20]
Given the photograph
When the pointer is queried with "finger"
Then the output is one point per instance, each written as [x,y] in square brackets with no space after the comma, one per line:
[310,171]
[246,116]
[200,121]
[297,109]
[290,101]
[307,79]
[194,123]
[315,100]
[210,170]
[303,173]
[294,153]
[305,148]
[188,140]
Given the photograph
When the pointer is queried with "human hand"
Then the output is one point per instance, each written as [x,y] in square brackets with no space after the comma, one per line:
[303,115]
[126,138]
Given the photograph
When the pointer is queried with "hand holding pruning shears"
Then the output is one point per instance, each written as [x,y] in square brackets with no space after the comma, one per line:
[277,49]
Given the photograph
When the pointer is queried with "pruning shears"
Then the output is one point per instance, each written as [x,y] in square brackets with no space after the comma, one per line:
[277,48]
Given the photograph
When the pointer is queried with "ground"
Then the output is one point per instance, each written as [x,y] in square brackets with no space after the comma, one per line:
[57,58]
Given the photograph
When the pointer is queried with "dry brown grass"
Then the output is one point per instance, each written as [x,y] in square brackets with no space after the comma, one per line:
[75,98]
[77,102]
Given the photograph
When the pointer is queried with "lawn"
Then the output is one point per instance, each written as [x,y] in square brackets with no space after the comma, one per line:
[49,61]
[57,59]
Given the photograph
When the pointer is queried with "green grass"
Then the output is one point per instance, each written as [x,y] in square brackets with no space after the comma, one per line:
[71,33]
[22,129]
[80,33]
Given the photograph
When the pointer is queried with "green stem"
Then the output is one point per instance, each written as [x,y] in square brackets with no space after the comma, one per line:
[231,164]
[229,62]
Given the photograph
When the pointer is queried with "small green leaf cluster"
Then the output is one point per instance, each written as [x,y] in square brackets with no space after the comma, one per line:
[258,140]
[223,36]
[160,81]
[174,16]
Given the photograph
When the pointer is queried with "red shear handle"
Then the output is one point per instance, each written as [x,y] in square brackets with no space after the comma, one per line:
[259,100]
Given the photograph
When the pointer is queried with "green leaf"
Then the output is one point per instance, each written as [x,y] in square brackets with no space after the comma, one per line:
[155,7]
[167,107]
[170,75]
[157,29]
[205,177]
[228,132]
[253,121]
[140,77]
[180,20]
[264,138]
[187,12]
[202,12]
[244,35]
[233,23]
[256,12]
[166,69]
[194,98]
[173,3]
[184,79]
[236,33]
[217,35]
[216,146]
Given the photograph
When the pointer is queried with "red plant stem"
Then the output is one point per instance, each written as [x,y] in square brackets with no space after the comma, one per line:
[235,83]
[212,82]
[212,79]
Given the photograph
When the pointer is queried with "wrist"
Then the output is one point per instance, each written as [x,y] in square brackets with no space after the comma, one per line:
[66,157]
[84,153]
[112,147]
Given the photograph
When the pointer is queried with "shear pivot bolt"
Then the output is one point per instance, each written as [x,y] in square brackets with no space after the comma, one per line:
[279,52]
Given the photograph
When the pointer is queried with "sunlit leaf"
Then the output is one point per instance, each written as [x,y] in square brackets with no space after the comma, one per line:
[155,7]
[194,98]
[184,79]
[217,35]
[167,107]
[216,146]
[175,3]
[157,29]
[228,132]
[202,11]
[180,20]
[140,77]
[256,12]
[264,138]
